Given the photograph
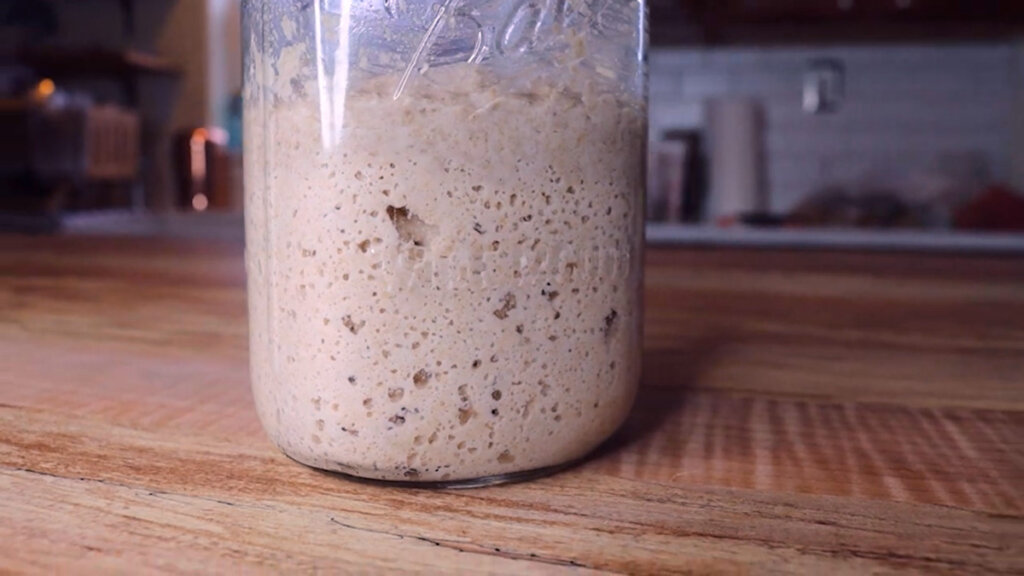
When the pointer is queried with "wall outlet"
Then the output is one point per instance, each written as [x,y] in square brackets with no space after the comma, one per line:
[824,85]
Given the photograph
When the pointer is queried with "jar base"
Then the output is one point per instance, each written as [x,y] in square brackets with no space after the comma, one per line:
[482,482]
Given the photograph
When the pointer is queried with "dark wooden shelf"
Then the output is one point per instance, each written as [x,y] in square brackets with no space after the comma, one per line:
[71,62]
[703,22]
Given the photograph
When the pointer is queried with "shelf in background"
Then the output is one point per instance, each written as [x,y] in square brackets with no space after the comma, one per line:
[833,239]
[229,226]
[91,61]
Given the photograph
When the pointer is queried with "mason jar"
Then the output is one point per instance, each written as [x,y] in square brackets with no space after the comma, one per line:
[444,231]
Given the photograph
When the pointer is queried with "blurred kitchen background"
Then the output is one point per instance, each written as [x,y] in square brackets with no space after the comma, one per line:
[883,124]
[120,116]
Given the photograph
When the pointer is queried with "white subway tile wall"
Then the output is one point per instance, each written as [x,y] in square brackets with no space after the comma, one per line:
[906,108]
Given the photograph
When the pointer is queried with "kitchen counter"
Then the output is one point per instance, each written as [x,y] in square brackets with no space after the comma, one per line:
[801,412]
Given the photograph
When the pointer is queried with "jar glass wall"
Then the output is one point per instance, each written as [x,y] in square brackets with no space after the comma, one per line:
[444,230]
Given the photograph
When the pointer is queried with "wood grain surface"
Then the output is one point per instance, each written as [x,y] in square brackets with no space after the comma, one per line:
[813,413]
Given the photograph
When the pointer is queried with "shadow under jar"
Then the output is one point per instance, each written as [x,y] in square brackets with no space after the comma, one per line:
[444,231]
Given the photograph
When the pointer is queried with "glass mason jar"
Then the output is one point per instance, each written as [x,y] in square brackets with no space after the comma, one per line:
[444,231]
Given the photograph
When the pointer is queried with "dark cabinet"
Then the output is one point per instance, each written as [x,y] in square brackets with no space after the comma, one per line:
[781,21]
[944,10]
[833,10]
[786,10]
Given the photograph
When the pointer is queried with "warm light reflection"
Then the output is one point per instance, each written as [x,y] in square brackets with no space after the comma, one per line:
[46,88]
[200,203]
[197,152]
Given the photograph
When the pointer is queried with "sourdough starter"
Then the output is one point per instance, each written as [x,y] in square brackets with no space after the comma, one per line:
[446,288]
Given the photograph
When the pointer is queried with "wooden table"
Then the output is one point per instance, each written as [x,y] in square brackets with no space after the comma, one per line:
[802,412]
